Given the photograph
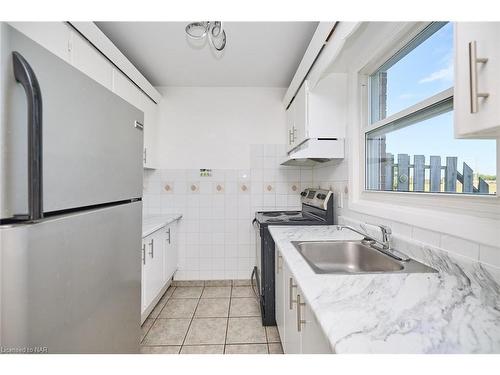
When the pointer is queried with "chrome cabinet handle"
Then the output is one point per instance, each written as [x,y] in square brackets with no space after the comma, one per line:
[168,232]
[144,254]
[138,125]
[473,61]
[279,264]
[292,286]
[151,245]
[25,75]
[300,321]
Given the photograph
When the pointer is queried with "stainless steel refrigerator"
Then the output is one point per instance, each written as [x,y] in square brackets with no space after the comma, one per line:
[70,207]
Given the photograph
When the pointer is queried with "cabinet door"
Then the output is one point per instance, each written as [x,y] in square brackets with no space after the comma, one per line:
[300,115]
[280,294]
[127,90]
[171,255]
[146,271]
[482,121]
[290,118]
[154,270]
[313,340]
[291,342]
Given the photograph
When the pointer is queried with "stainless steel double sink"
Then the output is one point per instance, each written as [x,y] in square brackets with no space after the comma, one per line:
[353,257]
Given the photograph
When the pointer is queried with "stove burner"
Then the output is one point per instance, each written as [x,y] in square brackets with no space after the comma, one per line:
[275,220]
[271,214]
[299,219]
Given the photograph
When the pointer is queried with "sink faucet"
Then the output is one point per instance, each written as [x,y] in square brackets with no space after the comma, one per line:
[386,234]
[384,246]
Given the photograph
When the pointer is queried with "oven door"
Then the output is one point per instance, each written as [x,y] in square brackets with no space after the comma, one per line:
[255,279]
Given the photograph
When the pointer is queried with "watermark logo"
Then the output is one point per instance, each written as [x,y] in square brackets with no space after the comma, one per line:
[24,350]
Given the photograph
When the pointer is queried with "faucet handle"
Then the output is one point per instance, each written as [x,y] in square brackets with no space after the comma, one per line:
[384,228]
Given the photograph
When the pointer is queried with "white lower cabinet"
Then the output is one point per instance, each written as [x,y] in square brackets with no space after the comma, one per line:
[291,344]
[170,250]
[279,285]
[298,327]
[152,267]
[159,263]
[313,339]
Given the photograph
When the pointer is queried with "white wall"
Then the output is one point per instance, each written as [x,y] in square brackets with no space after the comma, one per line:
[213,127]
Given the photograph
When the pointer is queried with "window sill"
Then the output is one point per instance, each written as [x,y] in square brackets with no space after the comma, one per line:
[475,218]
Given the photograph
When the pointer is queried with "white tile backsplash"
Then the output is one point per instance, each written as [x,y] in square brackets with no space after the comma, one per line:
[426,236]
[460,246]
[216,237]
[489,255]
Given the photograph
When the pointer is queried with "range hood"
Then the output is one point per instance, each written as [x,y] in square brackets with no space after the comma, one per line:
[314,151]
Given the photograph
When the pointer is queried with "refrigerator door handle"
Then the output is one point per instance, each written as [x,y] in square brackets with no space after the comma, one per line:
[25,75]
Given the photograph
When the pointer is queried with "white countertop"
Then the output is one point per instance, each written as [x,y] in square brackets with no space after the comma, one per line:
[152,223]
[454,311]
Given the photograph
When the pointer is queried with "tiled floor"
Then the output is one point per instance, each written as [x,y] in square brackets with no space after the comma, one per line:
[208,317]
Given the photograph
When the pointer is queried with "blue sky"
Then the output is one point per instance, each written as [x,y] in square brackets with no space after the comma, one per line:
[426,71]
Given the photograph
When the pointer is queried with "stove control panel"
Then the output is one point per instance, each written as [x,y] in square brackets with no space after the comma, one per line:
[316,197]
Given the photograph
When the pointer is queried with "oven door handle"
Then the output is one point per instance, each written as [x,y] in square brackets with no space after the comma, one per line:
[254,276]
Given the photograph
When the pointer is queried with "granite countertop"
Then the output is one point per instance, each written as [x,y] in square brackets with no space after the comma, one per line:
[454,311]
[152,223]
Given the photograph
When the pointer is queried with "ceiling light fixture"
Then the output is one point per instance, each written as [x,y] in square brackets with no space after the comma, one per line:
[216,34]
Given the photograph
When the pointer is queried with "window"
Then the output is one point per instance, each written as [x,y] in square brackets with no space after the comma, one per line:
[410,144]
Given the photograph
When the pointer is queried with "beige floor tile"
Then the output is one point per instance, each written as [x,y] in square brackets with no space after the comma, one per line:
[167,332]
[188,283]
[244,307]
[212,308]
[206,331]
[272,334]
[246,349]
[216,292]
[242,282]
[245,331]
[181,308]
[169,292]
[242,291]
[275,348]
[218,282]
[157,310]
[187,292]
[202,349]
[145,327]
[160,349]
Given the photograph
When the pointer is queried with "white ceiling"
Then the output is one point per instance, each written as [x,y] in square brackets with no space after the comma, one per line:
[260,54]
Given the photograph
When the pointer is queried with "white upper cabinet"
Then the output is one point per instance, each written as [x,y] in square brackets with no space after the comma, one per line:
[90,61]
[67,43]
[301,123]
[290,122]
[318,112]
[127,90]
[477,80]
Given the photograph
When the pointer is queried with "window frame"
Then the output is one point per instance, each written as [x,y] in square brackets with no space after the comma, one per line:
[413,112]
[374,85]
[430,210]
